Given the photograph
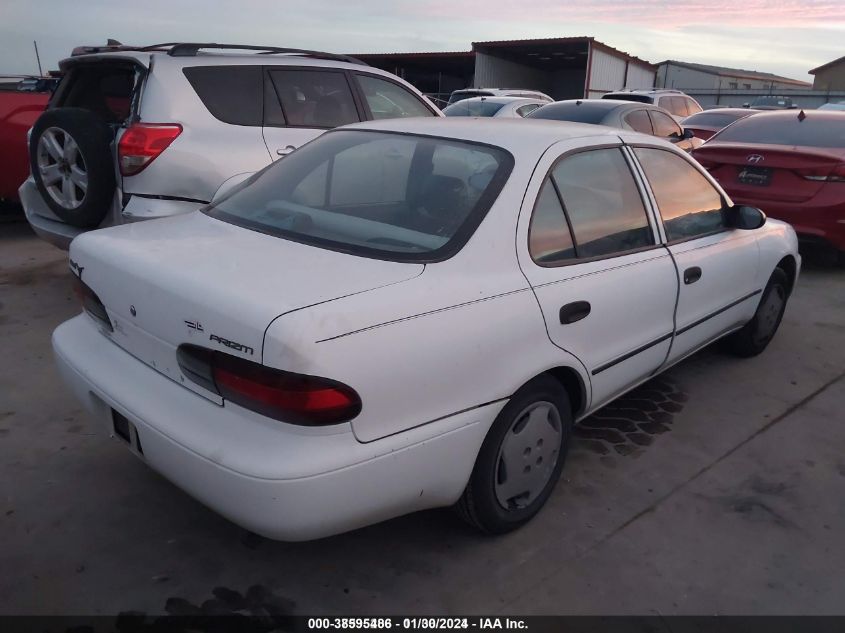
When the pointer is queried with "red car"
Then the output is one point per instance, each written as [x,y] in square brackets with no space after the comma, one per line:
[706,123]
[21,102]
[790,164]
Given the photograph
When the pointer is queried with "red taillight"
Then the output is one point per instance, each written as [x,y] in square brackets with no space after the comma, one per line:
[281,395]
[141,143]
[91,303]
[837,174]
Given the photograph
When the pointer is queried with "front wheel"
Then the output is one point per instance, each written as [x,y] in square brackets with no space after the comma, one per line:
[760,330]
[520,460]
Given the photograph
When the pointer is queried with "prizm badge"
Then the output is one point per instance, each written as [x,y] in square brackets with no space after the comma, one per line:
[231,344]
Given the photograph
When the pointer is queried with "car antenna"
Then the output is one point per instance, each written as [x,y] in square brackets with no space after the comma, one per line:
[801,115]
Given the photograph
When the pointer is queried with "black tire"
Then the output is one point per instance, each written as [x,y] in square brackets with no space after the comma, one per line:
[93,138]
[479,505]
[759,331]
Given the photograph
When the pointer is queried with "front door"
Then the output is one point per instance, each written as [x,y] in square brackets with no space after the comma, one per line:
[590,251]
[717,265]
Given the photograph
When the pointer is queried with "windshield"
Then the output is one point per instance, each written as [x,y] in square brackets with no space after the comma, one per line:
[813,131]
[376,194]
[473,108]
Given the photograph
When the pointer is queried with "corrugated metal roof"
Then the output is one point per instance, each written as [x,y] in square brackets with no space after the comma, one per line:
[566,40]
[724,71]
[420,55]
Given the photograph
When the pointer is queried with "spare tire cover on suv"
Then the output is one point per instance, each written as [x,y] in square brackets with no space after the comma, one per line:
[71,161]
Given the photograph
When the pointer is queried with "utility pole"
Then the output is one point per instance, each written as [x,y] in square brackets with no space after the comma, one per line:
[38,58]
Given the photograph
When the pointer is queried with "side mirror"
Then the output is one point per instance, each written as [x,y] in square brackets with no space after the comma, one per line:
[746,218]
[688,133]
[746,105]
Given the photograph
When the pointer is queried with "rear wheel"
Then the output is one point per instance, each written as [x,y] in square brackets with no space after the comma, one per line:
[759,331]
[71,161]
[520,460]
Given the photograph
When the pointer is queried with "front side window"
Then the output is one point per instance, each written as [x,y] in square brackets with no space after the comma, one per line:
[689,205]
[377,194]
[388,100]
[664,125]
[527,109]
[602,203]
[310,98]
[692,106]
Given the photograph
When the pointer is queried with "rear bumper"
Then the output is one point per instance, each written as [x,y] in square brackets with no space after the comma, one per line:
[277,480]
[51,229]
[816,220]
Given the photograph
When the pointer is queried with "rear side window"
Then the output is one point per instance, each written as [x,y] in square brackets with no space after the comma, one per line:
[689,205]
[388,100]
[664,125]
[549,238]
[602,204]
[317,99]
[639,122]
[232,94]
[826,130]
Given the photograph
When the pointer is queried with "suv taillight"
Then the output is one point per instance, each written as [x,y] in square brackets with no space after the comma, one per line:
[141,143]
[91,303]
[281,395]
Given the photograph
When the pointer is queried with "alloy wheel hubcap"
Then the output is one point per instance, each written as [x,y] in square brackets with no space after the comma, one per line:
[62,168]
[528,455]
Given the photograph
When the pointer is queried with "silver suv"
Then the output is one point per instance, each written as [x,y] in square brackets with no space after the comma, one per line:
[678,104]
[139,133]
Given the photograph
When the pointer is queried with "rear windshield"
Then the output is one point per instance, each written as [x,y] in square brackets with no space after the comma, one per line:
[460,96]
[713,119]
[584,113]
[473,108]
[385,195]
[779,102]
[813,131]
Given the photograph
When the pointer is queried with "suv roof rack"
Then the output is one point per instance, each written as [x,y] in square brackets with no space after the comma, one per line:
[191,49]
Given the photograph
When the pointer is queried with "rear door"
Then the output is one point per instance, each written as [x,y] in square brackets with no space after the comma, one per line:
[590,250]
[300,103]
[716,265]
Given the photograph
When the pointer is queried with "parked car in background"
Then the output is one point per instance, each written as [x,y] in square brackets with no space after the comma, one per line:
[628,115]
[139,133]
[706,123]
[790,164]
[497,107]
[833,106]
[590,258]
[22,100]
[678,104]
[770,102]
[469,93]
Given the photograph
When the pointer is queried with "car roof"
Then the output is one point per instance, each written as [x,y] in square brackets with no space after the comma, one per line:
[514,135]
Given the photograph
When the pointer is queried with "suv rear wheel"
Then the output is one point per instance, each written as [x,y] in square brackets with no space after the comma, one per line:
[71,162]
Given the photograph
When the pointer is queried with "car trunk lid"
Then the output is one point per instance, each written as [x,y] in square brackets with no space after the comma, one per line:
[194,279]
[769,172]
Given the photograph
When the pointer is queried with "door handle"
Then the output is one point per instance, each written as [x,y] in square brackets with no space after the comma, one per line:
[286,150]
[691,275]
[575,311]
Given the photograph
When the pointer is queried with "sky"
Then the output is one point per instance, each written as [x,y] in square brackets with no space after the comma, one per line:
[786,37]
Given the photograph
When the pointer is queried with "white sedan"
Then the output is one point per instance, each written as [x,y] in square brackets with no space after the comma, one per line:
[407,314]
